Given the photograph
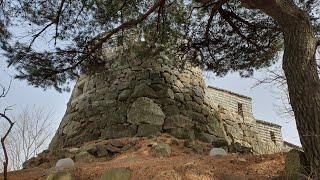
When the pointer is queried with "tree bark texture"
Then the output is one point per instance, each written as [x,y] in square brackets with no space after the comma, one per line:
[299,65]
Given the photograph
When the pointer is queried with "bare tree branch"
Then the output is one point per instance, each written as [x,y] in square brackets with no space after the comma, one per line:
[5,90]
[3,139]
[38,34]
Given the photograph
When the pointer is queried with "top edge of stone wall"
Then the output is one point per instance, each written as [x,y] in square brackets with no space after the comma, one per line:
[268,123]
[230,92]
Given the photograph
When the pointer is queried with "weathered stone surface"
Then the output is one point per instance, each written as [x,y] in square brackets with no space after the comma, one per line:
[117,143]
[71,128]
[65,163]
[144,110]
[217,152]
[84,156]
[205,137]
[161,150]
[197,148]
[113,149]
[148,129]
[143,90]
[119,131]
[98,150]
[116,174]
[220,142]
[130,96]
[177,121]
[182,133]
[125,94]
[296,164]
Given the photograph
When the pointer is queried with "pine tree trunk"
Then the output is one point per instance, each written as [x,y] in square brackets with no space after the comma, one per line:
[300,68]
[299,65]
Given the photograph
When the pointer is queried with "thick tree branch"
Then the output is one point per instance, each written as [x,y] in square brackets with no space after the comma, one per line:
[214,10]
[226,16]
[318,42]
[57,20]
[99,41]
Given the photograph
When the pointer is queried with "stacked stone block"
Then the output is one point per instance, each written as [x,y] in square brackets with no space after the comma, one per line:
[265,129]
[143,94]
[243,128]
[129,96]
[230,100]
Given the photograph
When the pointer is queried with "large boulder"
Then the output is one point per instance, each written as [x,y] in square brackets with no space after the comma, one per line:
[217,152]
[161,150]
[145,111]
[65,163]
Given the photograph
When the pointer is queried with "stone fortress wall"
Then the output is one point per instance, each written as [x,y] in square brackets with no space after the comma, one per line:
[131,95]
[269,131]
[231,100]
[240,105]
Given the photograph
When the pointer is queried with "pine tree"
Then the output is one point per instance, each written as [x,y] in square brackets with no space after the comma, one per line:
[227,35]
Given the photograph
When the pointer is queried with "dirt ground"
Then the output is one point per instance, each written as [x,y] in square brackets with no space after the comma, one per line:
[182,164]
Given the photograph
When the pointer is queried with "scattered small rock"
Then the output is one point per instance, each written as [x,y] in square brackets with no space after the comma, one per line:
[217,152]
[189,143]
[112,149]
[97,150]
[84,156]
[116,174]
[197,148]
[174,141]
[220,142]
[117,143]
[126,147]
[161,150]
[65,163]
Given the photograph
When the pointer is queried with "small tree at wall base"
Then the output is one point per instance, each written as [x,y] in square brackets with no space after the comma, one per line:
[30,135]
[221,35]
[4,138]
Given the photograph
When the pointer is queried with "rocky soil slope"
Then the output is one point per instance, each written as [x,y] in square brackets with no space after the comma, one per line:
[161,157]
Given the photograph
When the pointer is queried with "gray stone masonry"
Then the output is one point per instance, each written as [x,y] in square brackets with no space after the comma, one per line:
[127,95]
[269,133]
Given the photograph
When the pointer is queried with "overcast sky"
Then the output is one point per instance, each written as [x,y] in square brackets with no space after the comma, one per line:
[264,98]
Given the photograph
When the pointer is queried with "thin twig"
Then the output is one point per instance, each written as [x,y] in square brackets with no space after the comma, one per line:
[57,21]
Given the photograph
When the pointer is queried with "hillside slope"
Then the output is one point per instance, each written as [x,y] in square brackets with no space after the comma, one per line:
[144,163]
